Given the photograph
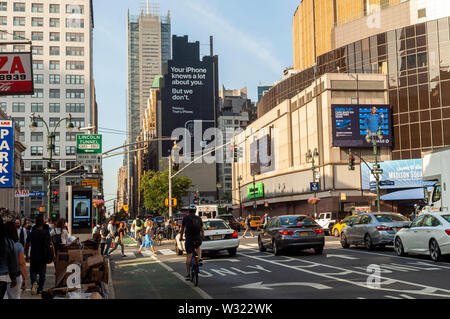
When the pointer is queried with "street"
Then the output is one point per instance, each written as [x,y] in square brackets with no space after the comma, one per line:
[338,273]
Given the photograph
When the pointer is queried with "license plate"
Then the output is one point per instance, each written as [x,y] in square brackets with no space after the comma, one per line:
[217,237]
[304,234]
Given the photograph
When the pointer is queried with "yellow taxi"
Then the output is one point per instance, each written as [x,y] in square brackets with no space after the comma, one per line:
[337,229]
[255,222]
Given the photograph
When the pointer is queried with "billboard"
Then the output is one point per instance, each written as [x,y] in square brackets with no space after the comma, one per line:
[396,175]
[262,157]
[82,209]
[255,191]
[352,123]
[16,74]
[6,153]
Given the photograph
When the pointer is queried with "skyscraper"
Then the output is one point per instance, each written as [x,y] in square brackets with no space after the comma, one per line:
[149,47]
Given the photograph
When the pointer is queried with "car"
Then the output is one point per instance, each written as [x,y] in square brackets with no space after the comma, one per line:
[232,222]
[337,229]
[255,222]
[292,232]
[373,229]
[327,221]
[428,234]
[218,236]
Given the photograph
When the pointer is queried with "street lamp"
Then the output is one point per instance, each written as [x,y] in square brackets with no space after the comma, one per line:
[51,149]
[219,187]
[175,146]
[310,158]
[376,171]
[239,180]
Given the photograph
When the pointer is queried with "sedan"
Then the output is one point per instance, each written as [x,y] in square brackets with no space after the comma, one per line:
[428,234]
[373,229]
[218,236]
[292,232]
[337,229]
[232,222]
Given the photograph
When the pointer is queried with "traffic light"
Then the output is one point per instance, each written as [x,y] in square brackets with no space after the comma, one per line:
[196,202]
[235,154]
[55,196]
[351,162]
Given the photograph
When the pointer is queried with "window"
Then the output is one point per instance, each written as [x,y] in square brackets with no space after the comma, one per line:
[55,79]
[37,107]
[74,37]
[75,108]
[20,121]
[75,65]
[18,107]
[37,36]
[3,20]
[366,219]
[71,137]
[37,137]
[74,94]
[57,151]
[19,21]
[22,137]
[19,6]
[57,137]
[37,150]
[53,121]
[71,150]
[74,79]
[38,93]
[388,218]
[37,7]
[55,94]
[38,78]
[3,6]
[54,36]
[37,165]
[54,22]
[436,194]
[19,35]
[3,36]
[54,107]
[54,50]
[78,122]
[75,51]
[430,221]
[75,23]
[54,65]
[54,8]
[70,165]
[37,22]
[38,65]
[37,180]
[19,48]
[3,106]
[37,50]
[73,8]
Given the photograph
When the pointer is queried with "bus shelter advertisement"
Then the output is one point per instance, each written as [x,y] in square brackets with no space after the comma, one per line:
[352,124]
[16,74]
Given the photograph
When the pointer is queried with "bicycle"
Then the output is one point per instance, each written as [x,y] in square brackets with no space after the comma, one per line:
[194,269]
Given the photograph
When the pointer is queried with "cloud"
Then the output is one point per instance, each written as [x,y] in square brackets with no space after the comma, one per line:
[237,37]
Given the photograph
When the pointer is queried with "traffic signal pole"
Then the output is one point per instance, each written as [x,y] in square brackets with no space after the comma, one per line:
[170,186]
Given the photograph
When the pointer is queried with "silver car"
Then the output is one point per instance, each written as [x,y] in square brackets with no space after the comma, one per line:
[373,229]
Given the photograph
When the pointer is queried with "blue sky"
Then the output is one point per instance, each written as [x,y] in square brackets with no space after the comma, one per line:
[253,39]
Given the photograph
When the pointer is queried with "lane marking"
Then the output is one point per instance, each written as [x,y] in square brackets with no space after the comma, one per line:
[406,296]
[392,297]
[167,252]
[260,285]
[341,256]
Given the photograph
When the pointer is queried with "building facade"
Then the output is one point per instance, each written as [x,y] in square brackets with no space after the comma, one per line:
[61,35]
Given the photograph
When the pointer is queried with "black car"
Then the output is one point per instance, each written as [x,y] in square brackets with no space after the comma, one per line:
[292,232]
[232,222]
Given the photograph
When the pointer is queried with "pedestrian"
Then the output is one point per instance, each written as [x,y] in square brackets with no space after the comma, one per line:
[265,219]
[23,232]
[9,268]
[11,234]
[38,241]
[121,232]
[59,235]
[148,242]
[247,225]
[138,226]
[103,234]
[110,236]
[132,230]
[96,232]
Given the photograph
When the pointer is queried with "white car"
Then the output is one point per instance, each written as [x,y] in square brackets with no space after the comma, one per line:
[218,236]
[428,234]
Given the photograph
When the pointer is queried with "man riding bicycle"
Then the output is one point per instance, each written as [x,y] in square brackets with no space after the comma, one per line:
[195,234]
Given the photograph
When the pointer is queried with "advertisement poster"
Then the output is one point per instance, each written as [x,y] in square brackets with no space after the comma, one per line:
[82,210]
[262,157]
[353,123]
[16,74]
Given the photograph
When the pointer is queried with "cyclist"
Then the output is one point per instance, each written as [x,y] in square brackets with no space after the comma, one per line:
[195,234]
[138,226]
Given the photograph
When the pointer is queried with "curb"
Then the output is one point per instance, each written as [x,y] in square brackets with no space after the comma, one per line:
[111,292]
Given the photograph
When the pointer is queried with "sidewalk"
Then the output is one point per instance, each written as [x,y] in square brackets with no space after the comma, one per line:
[49,282]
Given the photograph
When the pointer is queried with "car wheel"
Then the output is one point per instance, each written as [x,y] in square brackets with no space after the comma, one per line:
[398,247]
[261,246]
[178,251]
[318,250]
[344,242]
[232,252]
[435,251]
[336,233]
[368,242]
[275,249]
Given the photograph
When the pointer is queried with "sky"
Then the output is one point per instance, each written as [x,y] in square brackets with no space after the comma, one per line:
[253,39]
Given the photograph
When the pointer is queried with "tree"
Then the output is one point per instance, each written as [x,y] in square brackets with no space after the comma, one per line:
[155,186]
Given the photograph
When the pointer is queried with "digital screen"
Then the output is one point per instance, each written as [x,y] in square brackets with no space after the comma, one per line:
[82,209]
[262,157]
[352,124]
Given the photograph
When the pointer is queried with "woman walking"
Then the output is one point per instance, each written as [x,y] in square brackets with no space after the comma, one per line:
[11,234]
[121,232]
[9,269]
[248,228]
[148,242]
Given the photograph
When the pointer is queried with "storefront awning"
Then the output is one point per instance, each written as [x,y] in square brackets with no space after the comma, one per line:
[406,194]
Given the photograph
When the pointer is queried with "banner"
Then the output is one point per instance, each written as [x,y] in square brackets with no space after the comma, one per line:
[16,74]
[7,154]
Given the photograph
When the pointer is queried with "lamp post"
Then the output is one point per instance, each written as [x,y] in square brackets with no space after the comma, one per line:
[175,146]
[239,180]
[376,171]
[51,149]
[219,187]
[310,157]
[254,195]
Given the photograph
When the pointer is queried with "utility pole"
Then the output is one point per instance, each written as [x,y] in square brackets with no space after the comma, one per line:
[170,185]
[310,156]
[240,197]
[254,196]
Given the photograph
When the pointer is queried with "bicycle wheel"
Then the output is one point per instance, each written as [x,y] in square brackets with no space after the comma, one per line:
[196,276]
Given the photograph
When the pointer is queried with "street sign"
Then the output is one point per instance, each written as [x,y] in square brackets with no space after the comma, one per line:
[38,194]
[22,193]
[171,202]
[89,144]
[6,153]
[90,176]
[16,74]
[50,171]
[315,187]
[89,159]
[90,183]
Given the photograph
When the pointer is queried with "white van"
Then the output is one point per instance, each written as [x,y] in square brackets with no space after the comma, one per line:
[207,211]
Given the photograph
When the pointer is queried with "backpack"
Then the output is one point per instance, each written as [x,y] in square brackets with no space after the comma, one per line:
[49,254]
[105,230]
[138,223]
[197,223]
[56,238]
[22,236]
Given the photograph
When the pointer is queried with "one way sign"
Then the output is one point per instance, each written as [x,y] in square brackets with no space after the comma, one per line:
[6,154]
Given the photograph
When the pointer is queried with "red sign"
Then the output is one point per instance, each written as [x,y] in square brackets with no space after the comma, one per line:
[22,193]
[16,74]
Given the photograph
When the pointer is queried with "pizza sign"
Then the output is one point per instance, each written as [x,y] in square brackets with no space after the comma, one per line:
[16,74]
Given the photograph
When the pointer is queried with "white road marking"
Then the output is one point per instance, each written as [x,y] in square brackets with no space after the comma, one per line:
[215,260]
[407,297]
[392,297]
[167,252]
[261,286]
[341,256]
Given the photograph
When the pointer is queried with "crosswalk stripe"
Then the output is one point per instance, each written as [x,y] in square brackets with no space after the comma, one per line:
[167,252]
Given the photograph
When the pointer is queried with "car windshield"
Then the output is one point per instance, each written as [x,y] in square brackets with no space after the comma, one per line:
[386,218]
[292,221]
[214,225]
[256,218]
[446,217]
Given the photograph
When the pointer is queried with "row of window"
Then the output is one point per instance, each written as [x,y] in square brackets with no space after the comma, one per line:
[39,7]
[70,51]
[39,107]
[20,121]
[56,94]
[56,79]
[39,136]
[39,22]
[39,151]
[55,65]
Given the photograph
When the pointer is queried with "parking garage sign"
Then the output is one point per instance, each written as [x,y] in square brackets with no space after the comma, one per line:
[6,154]
[16,74]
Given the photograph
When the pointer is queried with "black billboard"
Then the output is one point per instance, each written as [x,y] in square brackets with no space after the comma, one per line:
[82,216]
[188,93]
[353,123]
[262,156]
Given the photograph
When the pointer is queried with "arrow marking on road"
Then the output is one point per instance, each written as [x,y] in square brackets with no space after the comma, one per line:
[341,256]
[260,285]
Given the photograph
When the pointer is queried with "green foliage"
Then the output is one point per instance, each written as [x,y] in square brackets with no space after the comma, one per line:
[155,186]
[121,216]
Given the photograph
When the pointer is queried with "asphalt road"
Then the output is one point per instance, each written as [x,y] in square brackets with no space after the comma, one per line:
[353,273]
